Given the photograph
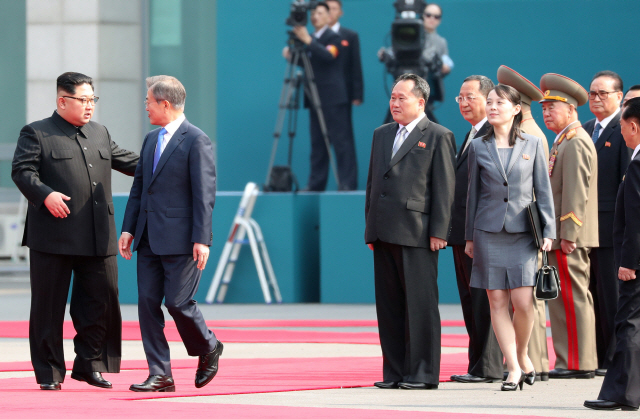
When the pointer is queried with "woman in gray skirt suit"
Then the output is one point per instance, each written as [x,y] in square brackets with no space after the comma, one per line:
[507,169]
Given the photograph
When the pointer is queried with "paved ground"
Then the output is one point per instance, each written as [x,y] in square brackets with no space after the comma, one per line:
[556,398]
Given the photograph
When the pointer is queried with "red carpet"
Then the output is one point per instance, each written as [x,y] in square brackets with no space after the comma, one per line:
[131,331]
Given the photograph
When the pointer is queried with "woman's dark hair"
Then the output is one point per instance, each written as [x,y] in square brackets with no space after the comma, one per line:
[513,96]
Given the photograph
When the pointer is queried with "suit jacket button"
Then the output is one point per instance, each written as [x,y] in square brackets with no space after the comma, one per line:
[386,177]
[506,200]
[150,193]
[90,165]
[382,195]
[506,184]
[94,184]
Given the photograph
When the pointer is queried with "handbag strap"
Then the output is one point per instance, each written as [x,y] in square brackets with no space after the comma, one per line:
[545,262]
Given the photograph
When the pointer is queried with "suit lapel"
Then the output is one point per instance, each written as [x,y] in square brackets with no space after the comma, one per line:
[174,142]
[387,144]
[152,142]
[606,133]
[410,141]
[462,155]
[515,154]
[492,148]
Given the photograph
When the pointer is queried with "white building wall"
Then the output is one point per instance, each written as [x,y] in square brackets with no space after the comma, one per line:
[103,39]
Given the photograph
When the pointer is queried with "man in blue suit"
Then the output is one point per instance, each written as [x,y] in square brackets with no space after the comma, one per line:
[168,219]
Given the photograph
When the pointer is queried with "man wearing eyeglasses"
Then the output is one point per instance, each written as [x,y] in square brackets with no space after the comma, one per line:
[605,95]
[485,357]
[62,165]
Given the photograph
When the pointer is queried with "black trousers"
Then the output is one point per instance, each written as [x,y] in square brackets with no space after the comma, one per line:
[95,312]
[485,357]
[622,382]
[407,307]
[340,132]
[175,279]
[603,285]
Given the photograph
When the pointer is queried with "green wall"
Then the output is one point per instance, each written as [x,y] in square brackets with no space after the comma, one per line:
[13,73]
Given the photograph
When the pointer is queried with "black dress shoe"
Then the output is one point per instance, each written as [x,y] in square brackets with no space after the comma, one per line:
[92,378]
[418,386]
[607,405]
[54,385]
[542,376]
[208,366]
[160,383]
[601,372]
[470,378]
[386,384]
[564,373]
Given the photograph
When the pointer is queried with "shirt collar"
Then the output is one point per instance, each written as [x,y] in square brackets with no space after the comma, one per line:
[411,125]
[480,124]
[562,132]
[635,151]
[336,27]
[608,119]
[173,126]
[321,31]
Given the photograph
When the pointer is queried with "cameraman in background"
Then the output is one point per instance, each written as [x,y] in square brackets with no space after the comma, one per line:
[434,62]
[323,48]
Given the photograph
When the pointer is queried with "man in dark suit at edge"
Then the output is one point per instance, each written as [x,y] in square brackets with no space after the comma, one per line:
[485,357]
[410,189]
[62,165]
[605,94]
[620,388]
[324,48]
[169,215]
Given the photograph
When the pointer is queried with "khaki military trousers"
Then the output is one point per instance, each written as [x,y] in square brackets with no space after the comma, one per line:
[538,352]
[572,315]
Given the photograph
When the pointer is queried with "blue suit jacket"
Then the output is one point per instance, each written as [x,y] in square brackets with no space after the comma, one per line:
[176,201]
[498,198]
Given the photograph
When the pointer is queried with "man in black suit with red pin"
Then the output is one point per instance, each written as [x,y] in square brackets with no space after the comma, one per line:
[620,388]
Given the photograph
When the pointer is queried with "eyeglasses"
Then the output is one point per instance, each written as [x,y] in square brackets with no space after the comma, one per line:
[468,99]
[84,100]
[601,94]
[429,15]
[146,102]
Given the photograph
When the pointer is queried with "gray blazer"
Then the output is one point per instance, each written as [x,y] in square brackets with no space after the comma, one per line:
[496,199]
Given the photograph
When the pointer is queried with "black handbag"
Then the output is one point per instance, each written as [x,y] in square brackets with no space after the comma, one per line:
[547,281]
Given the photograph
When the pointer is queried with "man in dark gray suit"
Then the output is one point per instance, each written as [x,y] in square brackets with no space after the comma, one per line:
[169,215]
[62,165]
[485,357]
[409,194]
[605,94]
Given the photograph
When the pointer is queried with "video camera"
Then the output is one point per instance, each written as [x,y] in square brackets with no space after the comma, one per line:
[407,45]
[298,15]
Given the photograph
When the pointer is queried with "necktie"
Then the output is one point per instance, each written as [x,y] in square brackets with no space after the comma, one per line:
[158,153]
[596,132]
[471,136]
[400,137]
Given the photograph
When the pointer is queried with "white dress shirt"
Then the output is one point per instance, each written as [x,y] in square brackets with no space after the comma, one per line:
[605,122]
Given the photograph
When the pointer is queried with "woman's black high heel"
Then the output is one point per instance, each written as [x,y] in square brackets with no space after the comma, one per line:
[530,377]
[507,386]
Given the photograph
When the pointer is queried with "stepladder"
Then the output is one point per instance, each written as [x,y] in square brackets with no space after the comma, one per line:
[244,231]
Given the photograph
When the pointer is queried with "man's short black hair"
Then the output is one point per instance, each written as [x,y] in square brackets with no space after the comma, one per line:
[337,1]
[632,110]
[617,80]
[323,4]
[70,80]
[420,88]
[634,87]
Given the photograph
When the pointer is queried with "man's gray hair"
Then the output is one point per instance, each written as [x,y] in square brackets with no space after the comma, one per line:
[168,88]
[486,85]
[420,89]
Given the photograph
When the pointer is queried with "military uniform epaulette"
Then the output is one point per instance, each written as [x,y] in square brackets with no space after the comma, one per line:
[571,134]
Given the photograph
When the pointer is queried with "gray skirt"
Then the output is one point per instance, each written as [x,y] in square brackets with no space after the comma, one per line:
[503,260]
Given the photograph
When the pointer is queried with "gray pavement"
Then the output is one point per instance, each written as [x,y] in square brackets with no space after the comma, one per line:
[555,398]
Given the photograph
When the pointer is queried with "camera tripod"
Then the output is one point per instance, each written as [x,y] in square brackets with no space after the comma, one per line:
[294,82]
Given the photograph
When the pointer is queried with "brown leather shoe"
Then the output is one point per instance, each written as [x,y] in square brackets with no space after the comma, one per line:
[159,383]
[208,366]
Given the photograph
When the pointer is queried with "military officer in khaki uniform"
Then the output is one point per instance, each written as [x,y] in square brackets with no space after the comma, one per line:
[528,93]
[573,171]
